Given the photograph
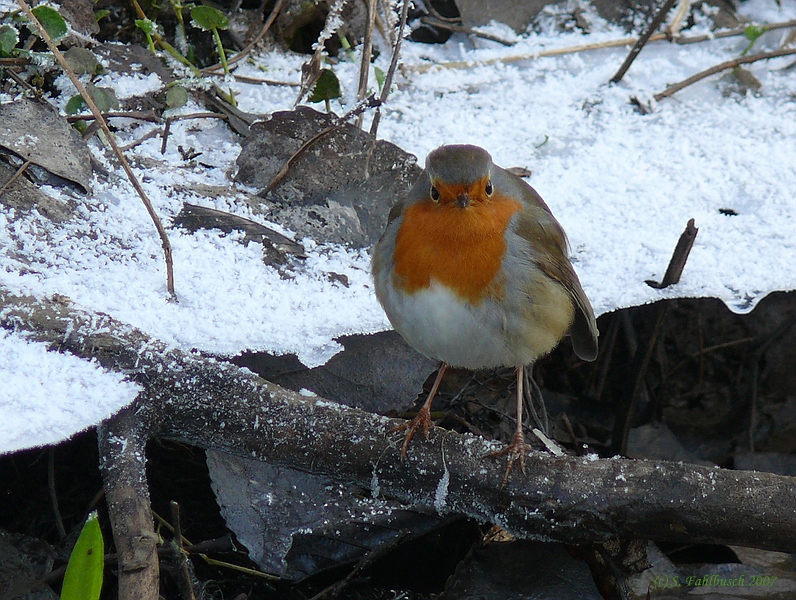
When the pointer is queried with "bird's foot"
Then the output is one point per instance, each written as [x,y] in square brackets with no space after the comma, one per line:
[422,421]
[515,452]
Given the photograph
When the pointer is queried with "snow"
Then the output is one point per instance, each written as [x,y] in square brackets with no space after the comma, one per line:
[47,397]
[622,184]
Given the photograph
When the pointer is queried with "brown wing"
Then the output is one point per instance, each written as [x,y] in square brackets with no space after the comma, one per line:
[539,227]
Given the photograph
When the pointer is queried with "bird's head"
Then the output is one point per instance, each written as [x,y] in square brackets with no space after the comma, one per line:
[460,175]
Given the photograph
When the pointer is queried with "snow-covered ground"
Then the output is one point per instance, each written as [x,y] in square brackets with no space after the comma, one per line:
[622,184]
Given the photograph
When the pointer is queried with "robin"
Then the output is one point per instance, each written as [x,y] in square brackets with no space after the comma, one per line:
[472,271]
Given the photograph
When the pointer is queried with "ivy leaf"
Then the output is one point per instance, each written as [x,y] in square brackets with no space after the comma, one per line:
[752,32]
[326,87]
[8,39]
[103,97]
[82,61]
[176,97]
[146,26]
[101,14]
[75,105]
[83,577]
[208,18]
[53,23]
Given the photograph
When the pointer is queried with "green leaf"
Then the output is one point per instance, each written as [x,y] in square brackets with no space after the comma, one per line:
[146,26]
[208,18]
[176,97]
[51,20]
[101,14]
[752,32]
[326,88]
[75,105]
[8,39]
[380,77]
[82,61]
[103,97]
[83,577]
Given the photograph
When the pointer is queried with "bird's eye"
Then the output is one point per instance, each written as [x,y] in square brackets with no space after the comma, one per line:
[488,188]
[434,194]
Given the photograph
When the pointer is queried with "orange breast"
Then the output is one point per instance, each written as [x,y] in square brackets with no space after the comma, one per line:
[460,248]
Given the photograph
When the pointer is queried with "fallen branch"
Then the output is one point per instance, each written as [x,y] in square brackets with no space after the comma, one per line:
[730,64]
[577,500]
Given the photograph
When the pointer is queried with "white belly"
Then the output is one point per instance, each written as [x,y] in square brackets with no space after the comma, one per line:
[437,323]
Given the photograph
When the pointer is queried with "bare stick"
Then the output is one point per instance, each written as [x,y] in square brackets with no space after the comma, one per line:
[148,116]
[15,176]
[730,64]
[679,257]
[122,441]
[243,53]
[164,239]
[367,52]
[59,522]
[634,52]
[434,22]
[658,37]
[396,53]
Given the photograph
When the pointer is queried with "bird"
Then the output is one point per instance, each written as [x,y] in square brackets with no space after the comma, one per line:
[472,270]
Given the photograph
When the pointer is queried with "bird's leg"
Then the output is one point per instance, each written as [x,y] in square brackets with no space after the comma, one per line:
[423,419]
[517,448]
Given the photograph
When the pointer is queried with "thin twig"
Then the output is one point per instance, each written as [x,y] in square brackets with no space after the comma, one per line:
[59,523]
[256,80]
[396,53]
[147,136]
[639,366]
[148,116]
[369,102]
[243,53]
[367,52]
[730,64]
[658,37]
[170,120]
[366,561]
[112,141]
[434,22]
[21,82]
[634,52]
[311,70]
[15,176]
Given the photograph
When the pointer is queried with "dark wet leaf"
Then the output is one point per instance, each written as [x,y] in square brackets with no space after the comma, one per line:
[35,131]
[82,61]
[208,18]
[295,524]
[326,194]
[327,87]
[52,21]
[8,39]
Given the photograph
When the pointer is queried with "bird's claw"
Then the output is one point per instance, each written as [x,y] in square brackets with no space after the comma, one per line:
[421,421]
[515,452]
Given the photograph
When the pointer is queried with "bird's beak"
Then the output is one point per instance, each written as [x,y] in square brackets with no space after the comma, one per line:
[463,200]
